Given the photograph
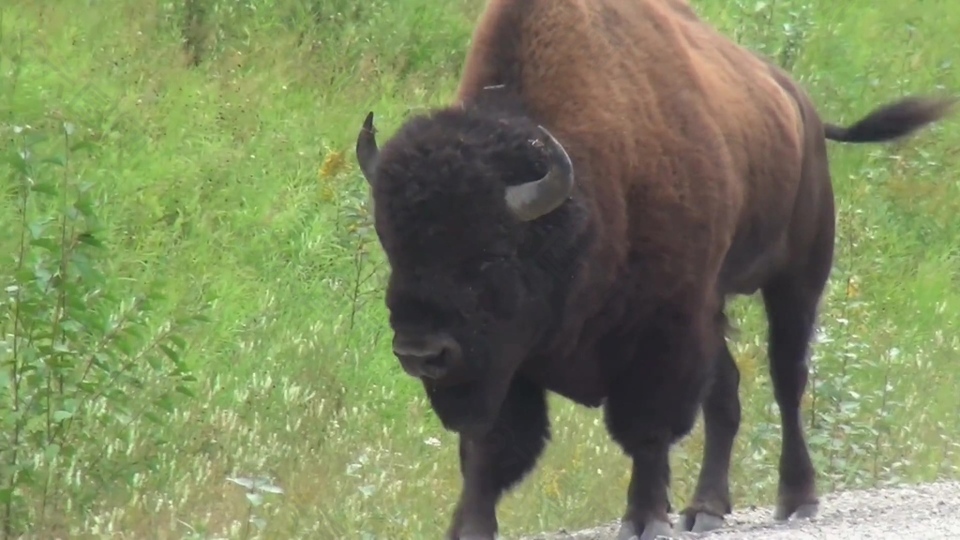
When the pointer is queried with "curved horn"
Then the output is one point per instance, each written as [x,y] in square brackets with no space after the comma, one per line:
[534,199]
[367,151]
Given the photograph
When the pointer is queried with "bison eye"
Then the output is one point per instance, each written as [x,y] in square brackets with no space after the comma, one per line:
[474,270]
[491,299]
[497,292]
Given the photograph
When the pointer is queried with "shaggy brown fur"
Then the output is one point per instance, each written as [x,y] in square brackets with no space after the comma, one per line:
[696,170]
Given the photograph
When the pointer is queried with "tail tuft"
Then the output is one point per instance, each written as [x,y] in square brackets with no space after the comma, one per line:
[892,121]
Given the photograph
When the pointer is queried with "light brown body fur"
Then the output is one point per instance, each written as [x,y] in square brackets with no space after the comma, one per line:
[678,110]
[705,145]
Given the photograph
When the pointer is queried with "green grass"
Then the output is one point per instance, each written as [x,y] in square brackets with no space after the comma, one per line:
[229,188]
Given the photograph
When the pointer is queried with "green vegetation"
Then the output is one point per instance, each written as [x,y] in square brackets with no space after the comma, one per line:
[193,290]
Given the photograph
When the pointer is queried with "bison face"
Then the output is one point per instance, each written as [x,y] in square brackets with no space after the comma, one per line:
[463,334]
[453,193]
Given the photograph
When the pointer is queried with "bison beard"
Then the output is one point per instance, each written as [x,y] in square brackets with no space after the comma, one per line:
[618,202]
[468,408]
[471,407]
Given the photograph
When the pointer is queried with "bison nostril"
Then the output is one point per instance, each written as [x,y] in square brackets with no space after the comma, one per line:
[431,366]
[428,358]
[434,367]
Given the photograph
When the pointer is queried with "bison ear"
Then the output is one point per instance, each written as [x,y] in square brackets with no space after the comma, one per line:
[367,151]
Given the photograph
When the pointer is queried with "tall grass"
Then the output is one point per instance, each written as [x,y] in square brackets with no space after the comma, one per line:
[194,343]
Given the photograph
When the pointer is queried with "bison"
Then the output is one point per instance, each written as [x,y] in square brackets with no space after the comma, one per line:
[610,172]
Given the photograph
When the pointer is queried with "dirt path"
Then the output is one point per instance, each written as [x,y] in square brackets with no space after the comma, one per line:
[927,512]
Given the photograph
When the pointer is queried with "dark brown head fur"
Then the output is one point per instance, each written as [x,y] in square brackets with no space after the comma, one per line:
[463,264]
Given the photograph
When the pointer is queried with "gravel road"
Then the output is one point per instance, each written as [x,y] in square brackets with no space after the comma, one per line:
[921,512]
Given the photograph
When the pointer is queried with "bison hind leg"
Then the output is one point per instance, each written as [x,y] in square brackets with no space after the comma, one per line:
[791,305]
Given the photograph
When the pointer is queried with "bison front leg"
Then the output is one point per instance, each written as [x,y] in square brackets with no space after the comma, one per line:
[653,404]
[721,419]
[494,462]
[647,504]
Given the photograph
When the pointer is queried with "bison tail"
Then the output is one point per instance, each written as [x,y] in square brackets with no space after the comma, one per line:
[892,121]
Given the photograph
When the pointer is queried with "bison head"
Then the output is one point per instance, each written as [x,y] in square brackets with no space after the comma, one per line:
[454,194]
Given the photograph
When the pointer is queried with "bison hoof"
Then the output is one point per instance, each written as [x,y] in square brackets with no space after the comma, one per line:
[698,522]
[803,511]
[653,530]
